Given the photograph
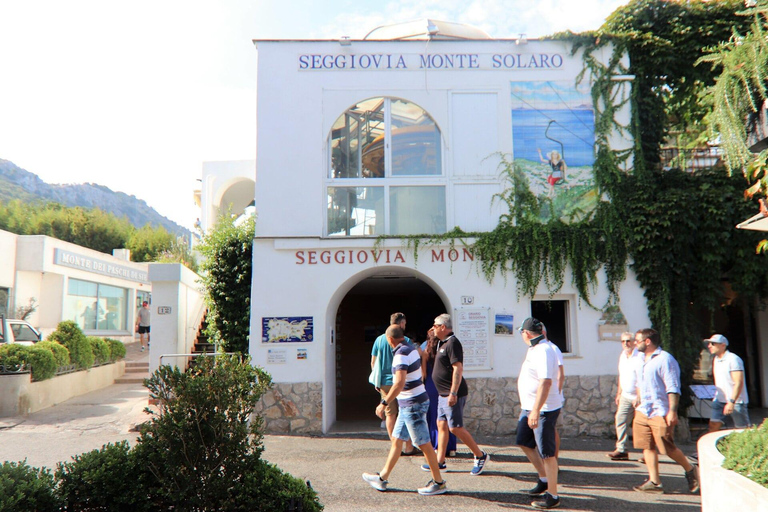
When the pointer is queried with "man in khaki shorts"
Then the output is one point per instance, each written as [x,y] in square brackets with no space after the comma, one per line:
[658,393]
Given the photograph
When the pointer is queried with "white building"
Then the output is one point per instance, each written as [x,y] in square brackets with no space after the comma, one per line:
[100,292]
[402,136]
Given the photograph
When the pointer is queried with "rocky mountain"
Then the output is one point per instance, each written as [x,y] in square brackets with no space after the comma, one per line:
[17,183]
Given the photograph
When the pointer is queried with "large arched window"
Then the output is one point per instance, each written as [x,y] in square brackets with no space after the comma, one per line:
[385,171]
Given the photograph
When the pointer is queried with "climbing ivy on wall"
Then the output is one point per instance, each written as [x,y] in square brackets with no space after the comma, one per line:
[675,229]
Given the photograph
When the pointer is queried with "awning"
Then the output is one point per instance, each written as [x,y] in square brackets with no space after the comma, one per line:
[758,222]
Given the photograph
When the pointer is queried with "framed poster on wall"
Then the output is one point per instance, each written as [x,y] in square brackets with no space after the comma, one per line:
[287,329]
[473,328]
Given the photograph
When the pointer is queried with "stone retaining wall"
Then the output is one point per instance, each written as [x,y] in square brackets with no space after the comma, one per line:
[492,409]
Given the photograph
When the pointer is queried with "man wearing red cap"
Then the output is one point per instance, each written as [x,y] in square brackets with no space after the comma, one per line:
[731,396]
[142,324]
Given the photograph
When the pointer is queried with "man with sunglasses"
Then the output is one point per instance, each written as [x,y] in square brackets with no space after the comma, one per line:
[626,394]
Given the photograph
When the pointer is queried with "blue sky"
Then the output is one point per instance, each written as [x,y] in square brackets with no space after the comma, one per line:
[136,95]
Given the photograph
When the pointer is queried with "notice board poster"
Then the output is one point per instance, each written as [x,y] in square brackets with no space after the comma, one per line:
[473,328]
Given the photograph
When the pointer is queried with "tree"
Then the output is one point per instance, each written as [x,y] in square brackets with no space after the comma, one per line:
[227,268]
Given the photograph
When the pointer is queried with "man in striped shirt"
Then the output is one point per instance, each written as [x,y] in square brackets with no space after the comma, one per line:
[413,401]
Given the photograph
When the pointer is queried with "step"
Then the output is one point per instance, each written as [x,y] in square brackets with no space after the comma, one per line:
[132,379]
[136,364]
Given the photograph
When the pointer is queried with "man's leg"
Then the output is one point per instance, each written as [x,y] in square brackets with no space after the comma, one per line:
[714,426]
[466,438]
[443,433]
[535,459]
[623,415]
[392,458]
[431,456]
[652,463]
[678,456]
[550,468]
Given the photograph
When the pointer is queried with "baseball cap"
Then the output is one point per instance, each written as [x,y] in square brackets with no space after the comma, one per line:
[531,324]
[717,338]
[144,303]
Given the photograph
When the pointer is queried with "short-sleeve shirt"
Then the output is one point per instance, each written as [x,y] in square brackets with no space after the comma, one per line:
[384,355]
[657,377]
[144,316]
[730,362]
[407,358]
[540,363]
[628,367]
[449,352]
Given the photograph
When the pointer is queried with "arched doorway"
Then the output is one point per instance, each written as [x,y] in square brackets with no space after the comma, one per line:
[361,317]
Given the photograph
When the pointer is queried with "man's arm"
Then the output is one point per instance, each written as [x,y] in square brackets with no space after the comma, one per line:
[671,417]
[398,383]
[738,384]
[560,378]
[458,372]
[373,361]
[541,396]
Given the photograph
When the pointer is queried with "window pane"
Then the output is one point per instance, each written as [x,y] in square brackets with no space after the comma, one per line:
[355,211]
[114,300]
[80,304]
[415,141]
[417,210]
[357,141]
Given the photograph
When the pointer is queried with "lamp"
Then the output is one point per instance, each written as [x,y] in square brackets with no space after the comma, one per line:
[522,39]
[345,41]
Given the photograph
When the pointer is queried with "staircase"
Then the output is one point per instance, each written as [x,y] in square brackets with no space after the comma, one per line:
[135,373]
[202,346]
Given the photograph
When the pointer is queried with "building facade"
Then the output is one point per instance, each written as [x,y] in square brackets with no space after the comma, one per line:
[401,137]
[100,292]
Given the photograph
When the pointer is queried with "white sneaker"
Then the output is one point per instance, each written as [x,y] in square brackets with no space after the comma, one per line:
[375,481]
[432,488]
[143,349]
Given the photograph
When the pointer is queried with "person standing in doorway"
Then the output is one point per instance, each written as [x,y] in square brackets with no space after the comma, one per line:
[626,395]
[731,395]
[142,324]
[448,376]
[541,402]
[381,357]
[658,394]
[408,389]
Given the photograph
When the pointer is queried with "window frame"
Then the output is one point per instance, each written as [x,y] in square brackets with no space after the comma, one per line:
[388,180]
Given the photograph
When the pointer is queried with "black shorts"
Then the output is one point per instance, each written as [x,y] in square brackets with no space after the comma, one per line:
[143,329]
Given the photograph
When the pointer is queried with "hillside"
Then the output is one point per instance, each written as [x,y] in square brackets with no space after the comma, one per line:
[17,183]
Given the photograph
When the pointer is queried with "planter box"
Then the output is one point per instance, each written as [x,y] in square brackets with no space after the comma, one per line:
[20,397]
[723,489]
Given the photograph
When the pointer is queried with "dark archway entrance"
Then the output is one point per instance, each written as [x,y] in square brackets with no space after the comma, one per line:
[362,316]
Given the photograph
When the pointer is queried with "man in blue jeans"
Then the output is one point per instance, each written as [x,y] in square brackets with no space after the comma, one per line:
[541,402]
[731,396]
[413,402]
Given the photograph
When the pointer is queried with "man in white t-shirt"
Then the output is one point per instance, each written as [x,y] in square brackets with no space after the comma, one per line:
[731,396]
[541,401]
[626,394]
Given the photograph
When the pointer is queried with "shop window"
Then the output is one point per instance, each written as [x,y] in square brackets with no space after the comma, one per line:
[554,314]
[386,173]
[96,307]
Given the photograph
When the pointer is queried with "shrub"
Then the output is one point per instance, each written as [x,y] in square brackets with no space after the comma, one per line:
[105,479]
[23,487]
[200,446]
[116,349]
[13,356]
[42,362]
[745,453]
[69,334]
[269,488]
[60,352]
[100,349]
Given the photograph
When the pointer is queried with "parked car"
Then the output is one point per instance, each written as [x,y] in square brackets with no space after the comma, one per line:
[18,331]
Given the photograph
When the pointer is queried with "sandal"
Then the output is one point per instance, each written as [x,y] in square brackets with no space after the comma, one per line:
[413,452]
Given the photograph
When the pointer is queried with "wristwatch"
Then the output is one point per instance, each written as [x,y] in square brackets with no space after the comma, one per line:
[384,402]
[731,401]
[454,393]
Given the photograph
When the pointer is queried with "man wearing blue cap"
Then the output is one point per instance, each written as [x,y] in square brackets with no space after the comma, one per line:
[731,396]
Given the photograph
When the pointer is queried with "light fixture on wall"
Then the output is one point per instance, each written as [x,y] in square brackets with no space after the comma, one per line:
[522,39]
[345,41]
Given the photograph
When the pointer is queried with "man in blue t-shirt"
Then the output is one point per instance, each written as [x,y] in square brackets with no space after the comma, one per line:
[413,402]
[381,356]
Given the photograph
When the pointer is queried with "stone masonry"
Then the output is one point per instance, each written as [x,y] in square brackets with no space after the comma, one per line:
[292,408]
[492,409]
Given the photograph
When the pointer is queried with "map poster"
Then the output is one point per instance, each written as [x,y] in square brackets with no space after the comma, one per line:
[472,327]
[287,329]
[504,324]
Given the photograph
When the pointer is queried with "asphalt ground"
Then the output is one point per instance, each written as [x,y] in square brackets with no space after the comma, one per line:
[333,464]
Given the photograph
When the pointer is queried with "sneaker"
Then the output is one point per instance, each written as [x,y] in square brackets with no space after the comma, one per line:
[433,488]
[143,349]
[649,487]
[549,501]
[541,488]
[375,481]
[693,479]
[479,464]
[617,455]
[440,465]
